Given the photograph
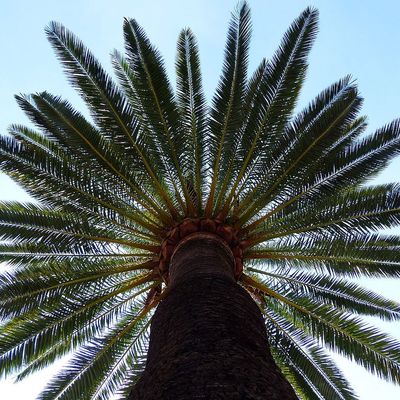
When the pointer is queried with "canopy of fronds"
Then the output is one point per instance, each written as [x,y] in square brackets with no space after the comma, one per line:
[88,261]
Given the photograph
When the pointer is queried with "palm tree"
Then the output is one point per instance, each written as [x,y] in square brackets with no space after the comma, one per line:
[183,251]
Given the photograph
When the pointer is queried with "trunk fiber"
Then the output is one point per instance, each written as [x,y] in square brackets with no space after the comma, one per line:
[208,339]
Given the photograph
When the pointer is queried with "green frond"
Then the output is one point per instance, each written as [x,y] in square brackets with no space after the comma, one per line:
[34,224]
[107,104]
[312,132]
[352,165]
[74,319]
[36,285]
[361,209]
[157,104]
[98,368]
[40,165]
[302,387]
[305,360]
[271,96]
[26,254]
[339,331]
[340,293]
[225,115]
[86,140]
[370,255]
[193,111]
[126,78]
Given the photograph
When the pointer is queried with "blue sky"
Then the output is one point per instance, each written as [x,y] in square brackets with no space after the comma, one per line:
[356,37]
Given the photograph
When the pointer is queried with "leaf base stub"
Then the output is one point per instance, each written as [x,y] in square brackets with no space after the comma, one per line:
[189,227]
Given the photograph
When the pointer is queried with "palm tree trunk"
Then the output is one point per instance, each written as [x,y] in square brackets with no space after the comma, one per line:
[208,339]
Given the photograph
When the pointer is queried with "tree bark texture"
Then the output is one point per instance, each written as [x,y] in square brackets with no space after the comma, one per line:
[208,339]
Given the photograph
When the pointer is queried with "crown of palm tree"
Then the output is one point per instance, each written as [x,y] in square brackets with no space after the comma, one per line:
[116,194]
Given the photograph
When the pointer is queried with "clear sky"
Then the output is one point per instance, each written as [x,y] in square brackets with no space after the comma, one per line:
[360,37]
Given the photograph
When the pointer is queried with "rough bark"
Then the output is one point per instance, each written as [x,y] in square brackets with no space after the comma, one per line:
[208,339]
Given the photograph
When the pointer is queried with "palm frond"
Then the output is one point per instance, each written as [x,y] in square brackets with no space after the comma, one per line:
[225,114]
[273,93]
[306,360]
[106,102]
[26,337]
[157,103]
[340,293]
[315,129]
[94,363]
[192,107]
[360,209]
[370,255]
[339,331]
